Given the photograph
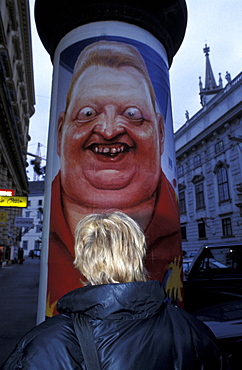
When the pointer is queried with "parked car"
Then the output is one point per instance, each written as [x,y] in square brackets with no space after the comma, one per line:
[188,257]
[190,253]
[35,253]
[225,320]
[213,293]
[186,265]
[214,276]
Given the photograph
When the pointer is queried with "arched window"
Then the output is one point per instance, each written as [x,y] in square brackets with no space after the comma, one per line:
[223,185]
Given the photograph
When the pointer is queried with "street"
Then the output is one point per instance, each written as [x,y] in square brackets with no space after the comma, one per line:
[18,302]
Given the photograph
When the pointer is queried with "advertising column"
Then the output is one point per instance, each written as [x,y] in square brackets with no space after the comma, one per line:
[110,144]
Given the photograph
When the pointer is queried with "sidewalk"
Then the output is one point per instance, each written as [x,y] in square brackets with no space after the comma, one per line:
[18,302]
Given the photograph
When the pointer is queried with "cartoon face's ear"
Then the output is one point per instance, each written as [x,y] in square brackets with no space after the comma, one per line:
[160,122]
[61,120]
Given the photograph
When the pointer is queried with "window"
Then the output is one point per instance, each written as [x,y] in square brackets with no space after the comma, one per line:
[183,232]
[219,146]
[40,202]
[27,213]
[199,196]
[25,244]
[223,186]
[38,228]
[180,171]
[29,203]
[39,214]
[170,162]
[197,160]
[182,202]
[227,227]
[36,244]
[201,230]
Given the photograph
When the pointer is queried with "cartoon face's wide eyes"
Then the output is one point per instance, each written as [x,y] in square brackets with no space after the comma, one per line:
[133,113]
[86,113]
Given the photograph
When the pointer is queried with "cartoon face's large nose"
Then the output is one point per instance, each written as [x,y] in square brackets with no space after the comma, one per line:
[109,124]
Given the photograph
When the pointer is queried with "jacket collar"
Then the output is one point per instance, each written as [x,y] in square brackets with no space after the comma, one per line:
[136,300]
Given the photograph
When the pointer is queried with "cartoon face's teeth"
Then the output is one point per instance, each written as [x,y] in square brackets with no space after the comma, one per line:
[109,150]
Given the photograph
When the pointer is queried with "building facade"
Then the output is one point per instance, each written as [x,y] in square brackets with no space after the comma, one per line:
[16,107]
[32,236]
[209,165]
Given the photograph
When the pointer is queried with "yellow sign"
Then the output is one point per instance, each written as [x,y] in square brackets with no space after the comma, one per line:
[3,218]
[14,201]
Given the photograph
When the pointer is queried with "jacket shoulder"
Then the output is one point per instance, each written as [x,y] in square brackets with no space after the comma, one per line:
[197,339]
[46,346]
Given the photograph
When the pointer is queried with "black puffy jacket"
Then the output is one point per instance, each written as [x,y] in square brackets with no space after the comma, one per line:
[134,329]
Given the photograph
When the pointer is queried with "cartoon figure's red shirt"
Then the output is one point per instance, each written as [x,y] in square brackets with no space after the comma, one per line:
[162,236]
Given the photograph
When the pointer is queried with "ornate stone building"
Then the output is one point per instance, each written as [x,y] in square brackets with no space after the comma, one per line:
[32,239]
[209,164]
[16,107]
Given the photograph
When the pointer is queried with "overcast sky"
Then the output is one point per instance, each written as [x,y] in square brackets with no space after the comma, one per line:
[216,23]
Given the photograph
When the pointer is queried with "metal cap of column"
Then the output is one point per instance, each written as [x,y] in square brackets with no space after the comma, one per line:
[164,19]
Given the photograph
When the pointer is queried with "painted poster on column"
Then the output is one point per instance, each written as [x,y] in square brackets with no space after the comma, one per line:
[113,148]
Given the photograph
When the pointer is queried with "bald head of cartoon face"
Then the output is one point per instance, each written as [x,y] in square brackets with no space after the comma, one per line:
[110,139]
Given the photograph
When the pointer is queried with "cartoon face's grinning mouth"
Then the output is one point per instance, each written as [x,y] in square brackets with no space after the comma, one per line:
[110,150]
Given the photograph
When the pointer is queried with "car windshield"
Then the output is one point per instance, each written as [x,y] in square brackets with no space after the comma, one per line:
[226,260]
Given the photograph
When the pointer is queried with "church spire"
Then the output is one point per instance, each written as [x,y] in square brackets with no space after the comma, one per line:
[211,88]
[210,82]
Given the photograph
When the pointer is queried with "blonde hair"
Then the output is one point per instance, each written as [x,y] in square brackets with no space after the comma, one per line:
[110,248]
[111,54]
